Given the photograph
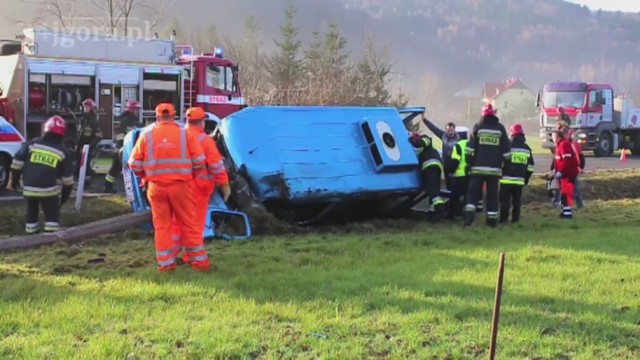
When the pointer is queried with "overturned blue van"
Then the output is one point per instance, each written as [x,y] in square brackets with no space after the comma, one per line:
[314,163]
[310,164]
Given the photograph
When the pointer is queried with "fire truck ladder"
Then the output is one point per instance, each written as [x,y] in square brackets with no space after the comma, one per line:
[189,91]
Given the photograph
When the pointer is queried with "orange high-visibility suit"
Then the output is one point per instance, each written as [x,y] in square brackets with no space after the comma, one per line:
[213,174]
[166,156]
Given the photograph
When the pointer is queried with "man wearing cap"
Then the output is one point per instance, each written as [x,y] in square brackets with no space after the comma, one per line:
[206,179]
[166,157]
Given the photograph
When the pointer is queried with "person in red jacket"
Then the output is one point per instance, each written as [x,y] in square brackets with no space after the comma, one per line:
[567,169]
[577,194]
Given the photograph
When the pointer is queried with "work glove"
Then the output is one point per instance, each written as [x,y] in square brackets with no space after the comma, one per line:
[558,175]
[226,192]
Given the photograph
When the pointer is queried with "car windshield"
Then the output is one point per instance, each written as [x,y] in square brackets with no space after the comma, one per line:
[565,99]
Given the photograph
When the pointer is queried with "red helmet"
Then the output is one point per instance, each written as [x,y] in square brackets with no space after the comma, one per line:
[132,105]
[487,109]
[89,103]
[55,125]
[516,129]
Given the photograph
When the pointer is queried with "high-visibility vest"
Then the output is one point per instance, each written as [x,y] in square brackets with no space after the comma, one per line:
[461,170]
[213,172]
[166,152]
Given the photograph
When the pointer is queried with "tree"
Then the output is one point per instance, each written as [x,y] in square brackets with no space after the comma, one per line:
[61,12]
[285,65]
[174,26]
[336,72]
[250,55]
[372,76]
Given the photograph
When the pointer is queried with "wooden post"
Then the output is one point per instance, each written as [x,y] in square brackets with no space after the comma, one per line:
[496,309]
[85,232]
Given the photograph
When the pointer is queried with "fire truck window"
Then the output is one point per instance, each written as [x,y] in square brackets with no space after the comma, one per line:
[213,77]
[229,79]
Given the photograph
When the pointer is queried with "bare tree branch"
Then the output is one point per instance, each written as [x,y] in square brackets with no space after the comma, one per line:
[61,12]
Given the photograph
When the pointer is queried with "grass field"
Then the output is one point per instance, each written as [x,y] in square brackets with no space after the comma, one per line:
[404,291]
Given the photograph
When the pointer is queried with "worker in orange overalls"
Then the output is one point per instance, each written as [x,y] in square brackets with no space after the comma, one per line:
[213,174]
[167,156]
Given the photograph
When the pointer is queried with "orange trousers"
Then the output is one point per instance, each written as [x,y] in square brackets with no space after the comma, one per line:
[201,196]
[167,200]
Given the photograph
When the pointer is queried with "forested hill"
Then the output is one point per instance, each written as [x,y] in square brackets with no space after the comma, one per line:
[439,46]
[537,40]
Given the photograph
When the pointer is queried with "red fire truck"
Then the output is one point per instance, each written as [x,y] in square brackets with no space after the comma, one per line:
[45,73]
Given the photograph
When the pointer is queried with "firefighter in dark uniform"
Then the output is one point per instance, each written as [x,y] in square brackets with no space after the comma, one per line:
[488,148]
[515,175]
[89,134]
[431,172]
[128,121]
[42,163]
[457,167]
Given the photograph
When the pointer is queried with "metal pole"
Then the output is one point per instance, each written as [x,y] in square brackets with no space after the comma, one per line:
[496,310]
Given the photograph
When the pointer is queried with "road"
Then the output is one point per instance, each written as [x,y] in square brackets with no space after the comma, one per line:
[542,165]
[543,162]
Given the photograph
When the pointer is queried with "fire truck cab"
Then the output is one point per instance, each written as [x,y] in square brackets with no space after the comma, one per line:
[210,82]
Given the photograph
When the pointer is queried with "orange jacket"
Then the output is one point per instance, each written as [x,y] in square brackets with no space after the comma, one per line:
[213,173]
[166,153]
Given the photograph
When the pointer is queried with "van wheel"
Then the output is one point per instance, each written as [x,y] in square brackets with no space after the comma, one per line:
[5,169]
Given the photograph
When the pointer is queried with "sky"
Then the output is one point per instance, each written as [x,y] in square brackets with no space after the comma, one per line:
[610,5]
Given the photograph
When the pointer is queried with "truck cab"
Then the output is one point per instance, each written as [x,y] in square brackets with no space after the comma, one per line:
[590,107]
[211,82]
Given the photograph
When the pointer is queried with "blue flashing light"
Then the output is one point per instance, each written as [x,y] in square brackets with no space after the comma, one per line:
[186,52]
[217,52]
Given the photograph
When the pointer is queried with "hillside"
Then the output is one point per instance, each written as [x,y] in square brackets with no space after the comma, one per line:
[441,46]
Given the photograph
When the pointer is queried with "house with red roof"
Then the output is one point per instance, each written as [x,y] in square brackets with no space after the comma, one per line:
[508,95]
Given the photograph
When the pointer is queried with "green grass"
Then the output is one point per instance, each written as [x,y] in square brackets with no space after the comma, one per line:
[571,292]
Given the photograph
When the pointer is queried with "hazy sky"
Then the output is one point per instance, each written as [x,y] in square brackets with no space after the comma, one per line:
[612,5]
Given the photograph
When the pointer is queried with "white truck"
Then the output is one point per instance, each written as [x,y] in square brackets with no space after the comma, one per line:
[601,121]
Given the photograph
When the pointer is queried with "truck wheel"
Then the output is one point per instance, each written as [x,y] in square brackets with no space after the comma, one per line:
[5,168]
[605,146]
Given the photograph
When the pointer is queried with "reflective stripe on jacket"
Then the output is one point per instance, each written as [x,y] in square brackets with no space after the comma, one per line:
[521,167]
[488,147]
[166,152]
[43,165]
[213,173]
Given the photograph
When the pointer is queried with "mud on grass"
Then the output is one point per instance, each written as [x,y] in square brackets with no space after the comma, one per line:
[602,185]
[423,293]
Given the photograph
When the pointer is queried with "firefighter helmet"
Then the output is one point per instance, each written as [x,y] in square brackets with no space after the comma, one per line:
[132,105]
[89,103]
[488,109]
[516,129]
[55,125]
